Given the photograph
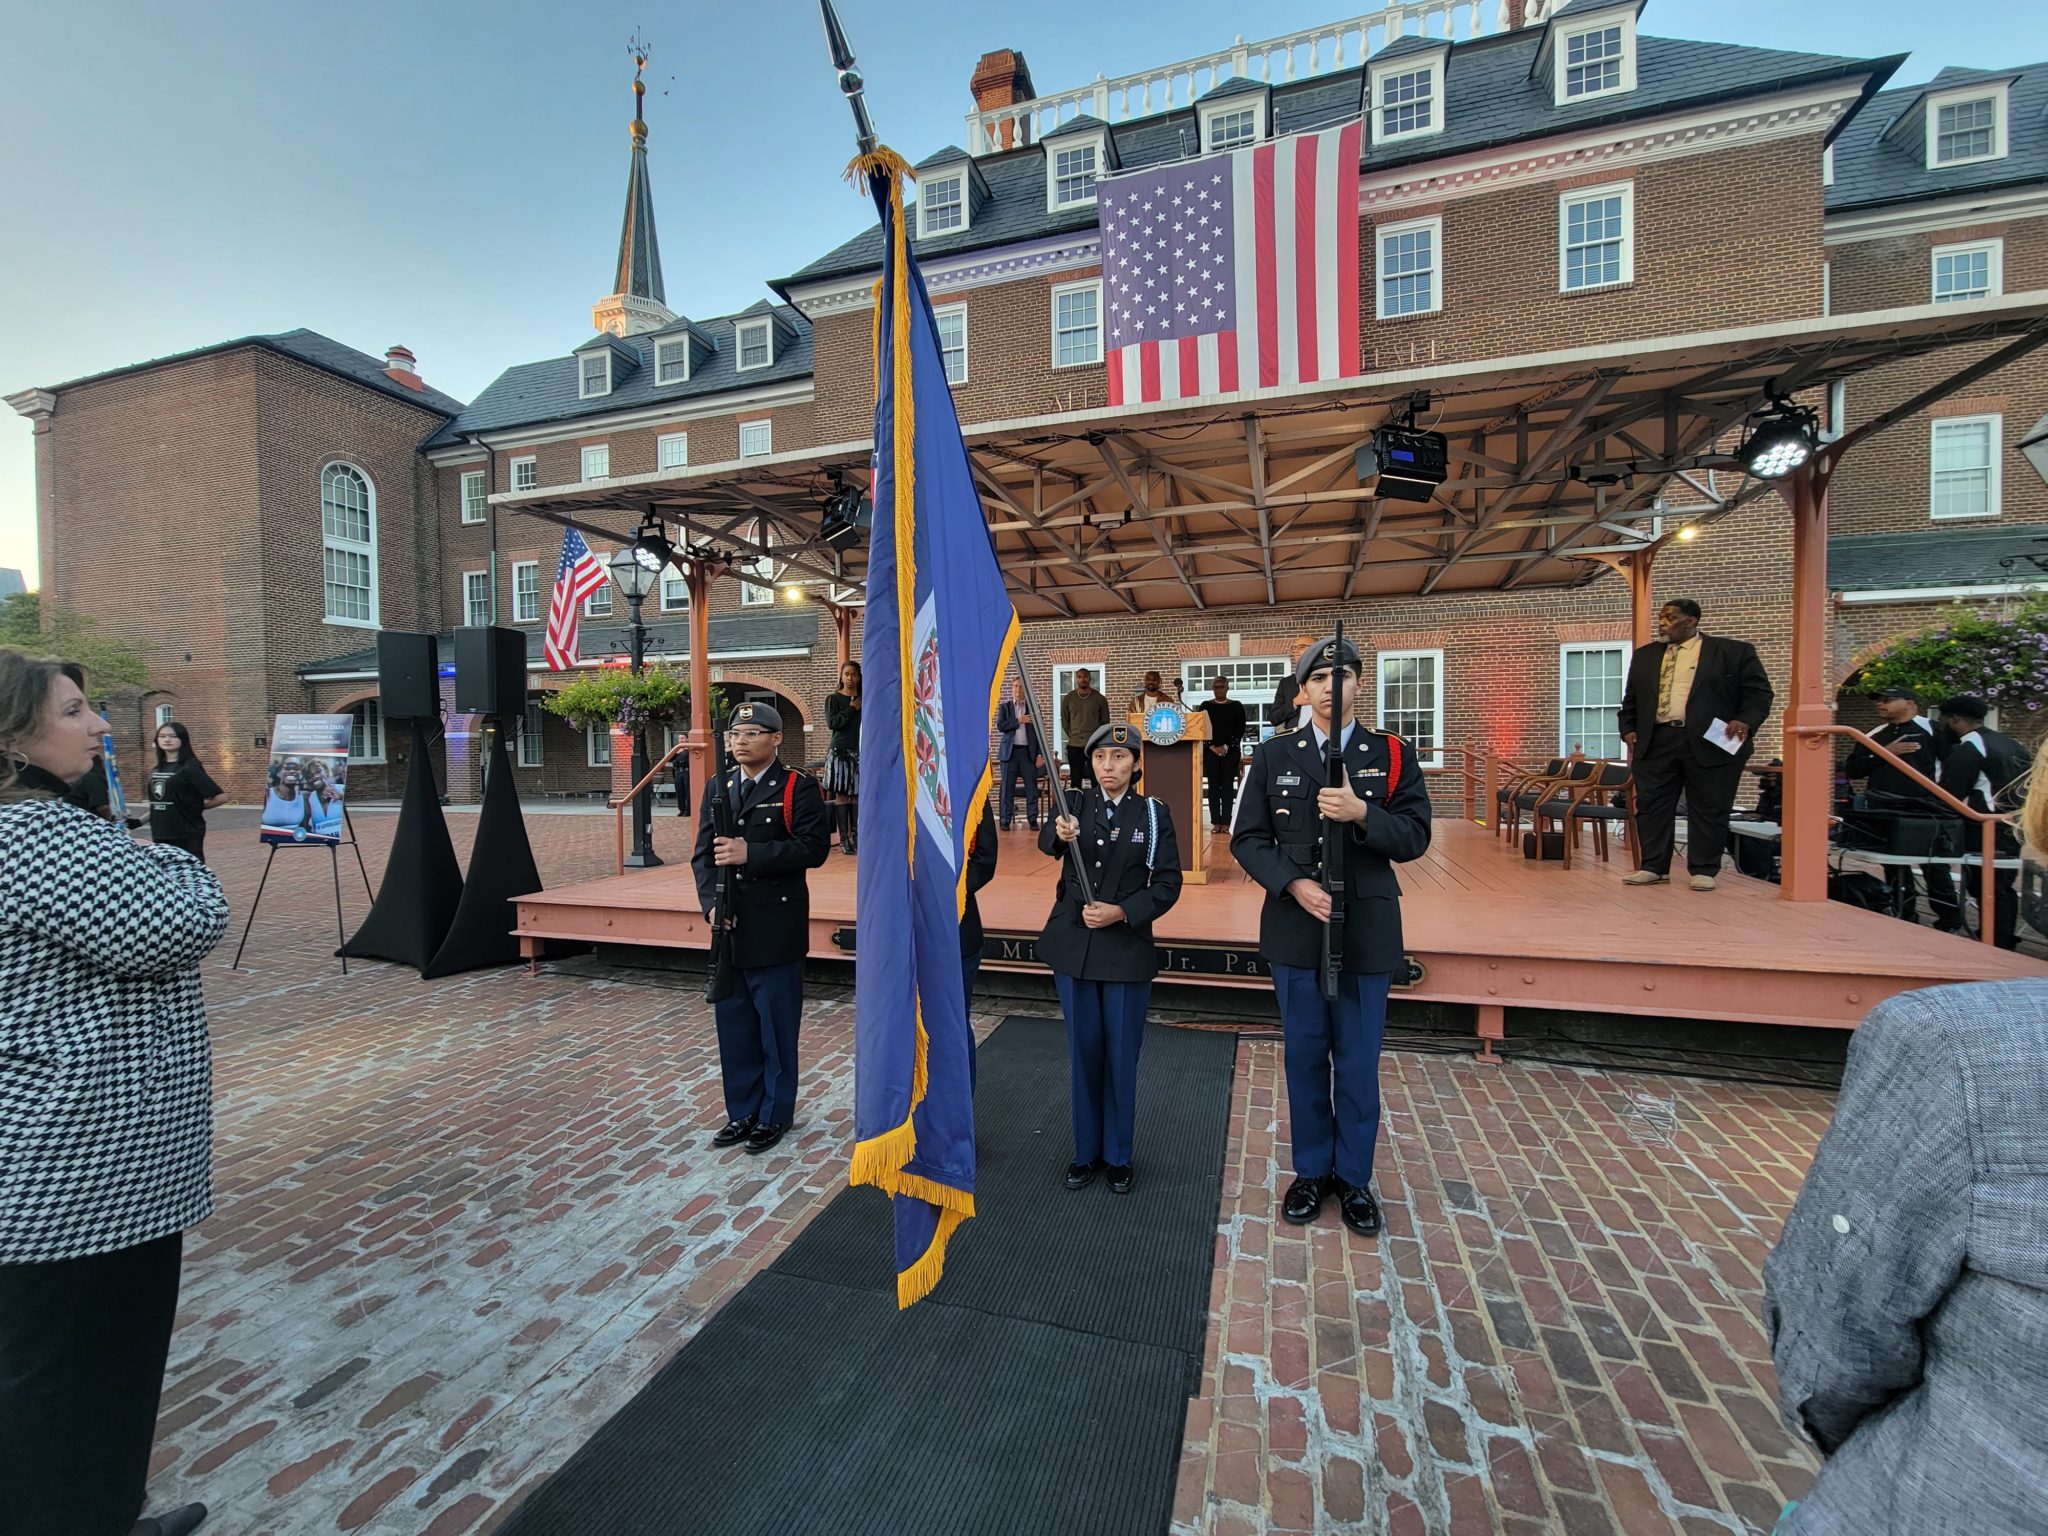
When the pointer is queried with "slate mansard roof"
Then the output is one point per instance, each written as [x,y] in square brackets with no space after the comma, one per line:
[1871,170]
[542,393]
[304,346]
[1935,558]
[1490,97]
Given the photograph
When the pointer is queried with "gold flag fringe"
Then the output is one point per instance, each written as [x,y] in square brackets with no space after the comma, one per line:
[879,161]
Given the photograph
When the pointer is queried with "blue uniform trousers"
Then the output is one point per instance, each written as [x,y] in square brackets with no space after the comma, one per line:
[970,972]
[1333,1069]
[1105,1028]
[757,1028]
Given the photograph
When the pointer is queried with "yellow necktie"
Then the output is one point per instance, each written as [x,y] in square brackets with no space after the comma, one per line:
[1665,673]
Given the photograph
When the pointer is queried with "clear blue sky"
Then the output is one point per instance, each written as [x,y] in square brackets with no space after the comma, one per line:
[450,175]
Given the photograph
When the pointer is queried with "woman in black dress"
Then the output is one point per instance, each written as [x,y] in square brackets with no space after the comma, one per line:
[180,791]
[842,758]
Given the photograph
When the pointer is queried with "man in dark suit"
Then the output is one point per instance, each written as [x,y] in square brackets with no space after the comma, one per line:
[783,833]
[1284,713]
[1678,688]
[1020,754]
[1987,771]
[1223,752]
[1287,810]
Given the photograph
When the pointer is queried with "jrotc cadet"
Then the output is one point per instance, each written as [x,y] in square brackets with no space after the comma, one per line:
[1101,952]
[783,832]
[1285,814]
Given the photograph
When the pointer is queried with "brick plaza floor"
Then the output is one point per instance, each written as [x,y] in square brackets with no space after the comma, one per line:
[461,1222]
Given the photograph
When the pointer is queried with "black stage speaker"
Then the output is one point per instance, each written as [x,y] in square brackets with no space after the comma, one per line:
[407,684]
[490,672]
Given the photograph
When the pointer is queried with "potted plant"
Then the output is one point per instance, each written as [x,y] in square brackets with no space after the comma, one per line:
[656,698]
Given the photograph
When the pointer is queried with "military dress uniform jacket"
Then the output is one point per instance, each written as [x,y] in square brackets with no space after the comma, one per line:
[1278,838]
[1118,874]
[771,897]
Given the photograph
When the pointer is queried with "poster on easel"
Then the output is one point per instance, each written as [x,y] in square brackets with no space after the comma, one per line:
[308,780]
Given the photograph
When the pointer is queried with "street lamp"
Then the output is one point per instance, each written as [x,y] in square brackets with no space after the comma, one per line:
[636,569]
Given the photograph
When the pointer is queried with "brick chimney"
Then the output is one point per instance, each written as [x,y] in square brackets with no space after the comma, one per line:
[1002,79]
[400,365]
[1516,14]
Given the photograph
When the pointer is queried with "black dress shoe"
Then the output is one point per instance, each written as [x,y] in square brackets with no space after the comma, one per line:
[764,1137]
[735,1131]
[176,1522]
[1120,1179]
[1360,1211]
[1304,1198]
[1081,1175]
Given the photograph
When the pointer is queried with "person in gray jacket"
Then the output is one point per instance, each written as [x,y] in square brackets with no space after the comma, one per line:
[1907,1301]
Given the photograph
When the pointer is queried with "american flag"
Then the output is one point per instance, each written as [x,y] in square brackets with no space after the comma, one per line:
[1234,271]
[579,574]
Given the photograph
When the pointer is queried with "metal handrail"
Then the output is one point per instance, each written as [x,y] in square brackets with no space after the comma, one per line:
[620,803]
[1988,820]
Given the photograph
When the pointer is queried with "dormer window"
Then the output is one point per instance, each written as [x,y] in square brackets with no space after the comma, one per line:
[1407,98]
[944,203]
[1966,126]
[1071,169]
[756,341]
[672,360]
[1233,122]
[1595,58]
[596,373]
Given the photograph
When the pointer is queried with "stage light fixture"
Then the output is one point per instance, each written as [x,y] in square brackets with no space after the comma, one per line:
[847,513]
[1782,436]
[1411,464]
[1688,533]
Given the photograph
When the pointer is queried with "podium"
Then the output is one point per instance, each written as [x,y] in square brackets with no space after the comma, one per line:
[1173,773]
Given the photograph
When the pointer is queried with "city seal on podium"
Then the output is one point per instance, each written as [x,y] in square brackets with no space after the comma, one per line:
[1165,725]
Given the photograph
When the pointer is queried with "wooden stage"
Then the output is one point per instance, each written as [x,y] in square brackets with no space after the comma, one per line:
[1488,927]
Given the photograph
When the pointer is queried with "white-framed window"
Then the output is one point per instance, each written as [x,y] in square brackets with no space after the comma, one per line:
[1407,102]
[599,604]
[1410,280]
[525,473]
[348,545]
[597,744]
[1071,166]
[1252,681]
[759,592]
[757,439]
[473,496]
[1076,323]
[594,370]
[1589,681]
[1411,702]
[530,737]
[1595,59]
[756,342]
[165,714]
[526,592]
[1975,270]
[597,461]
[1596,245]
[672,360]
[1232,124]
[943,201]
[672,450]
[952,323]
[675,590]
[1963,474]
[366,732]
[476,598]
[1965,126]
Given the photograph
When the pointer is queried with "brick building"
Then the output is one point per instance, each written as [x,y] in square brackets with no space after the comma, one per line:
[1567,182]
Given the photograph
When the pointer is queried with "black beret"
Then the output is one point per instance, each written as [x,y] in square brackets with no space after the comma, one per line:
[759,715]
[1115,734]
[1323,654]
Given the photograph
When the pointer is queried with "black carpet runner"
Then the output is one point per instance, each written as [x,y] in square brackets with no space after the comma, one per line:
[1042,1387]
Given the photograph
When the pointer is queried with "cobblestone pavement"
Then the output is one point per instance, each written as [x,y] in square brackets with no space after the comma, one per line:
[461,1222]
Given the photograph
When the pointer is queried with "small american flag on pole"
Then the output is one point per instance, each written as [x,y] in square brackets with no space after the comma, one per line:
[1234,271]
[579,574]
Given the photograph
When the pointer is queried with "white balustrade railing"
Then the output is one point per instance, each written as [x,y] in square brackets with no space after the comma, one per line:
[1296,56]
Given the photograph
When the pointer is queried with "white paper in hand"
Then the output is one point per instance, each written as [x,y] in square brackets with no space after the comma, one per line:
[1719,734]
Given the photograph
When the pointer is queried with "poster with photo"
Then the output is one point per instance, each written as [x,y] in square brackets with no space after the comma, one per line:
[308,777]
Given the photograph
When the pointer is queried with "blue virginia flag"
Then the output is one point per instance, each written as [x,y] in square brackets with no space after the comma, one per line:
[937,639]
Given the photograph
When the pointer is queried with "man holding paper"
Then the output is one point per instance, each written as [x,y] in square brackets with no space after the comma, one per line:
[1689,715]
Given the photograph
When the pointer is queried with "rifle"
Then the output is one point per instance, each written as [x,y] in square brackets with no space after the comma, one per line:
[1059,790]
[722,976]
[1334,833]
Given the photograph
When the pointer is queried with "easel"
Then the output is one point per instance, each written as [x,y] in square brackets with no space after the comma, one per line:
[334,855]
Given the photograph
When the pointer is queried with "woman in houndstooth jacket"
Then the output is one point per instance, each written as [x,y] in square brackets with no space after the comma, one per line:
[106,1121]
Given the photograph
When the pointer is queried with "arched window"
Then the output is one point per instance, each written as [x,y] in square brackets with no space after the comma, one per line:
[348,555]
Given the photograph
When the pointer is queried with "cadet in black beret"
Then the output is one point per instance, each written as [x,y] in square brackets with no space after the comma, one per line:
[1101,953]
[1332,1050]
[783,832]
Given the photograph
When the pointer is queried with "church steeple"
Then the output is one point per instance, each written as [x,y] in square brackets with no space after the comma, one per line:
[637,303]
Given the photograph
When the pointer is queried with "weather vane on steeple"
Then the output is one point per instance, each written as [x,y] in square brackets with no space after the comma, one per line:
[637,47]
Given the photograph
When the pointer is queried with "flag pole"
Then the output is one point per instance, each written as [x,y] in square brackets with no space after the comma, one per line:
[850,82]
[1061,805]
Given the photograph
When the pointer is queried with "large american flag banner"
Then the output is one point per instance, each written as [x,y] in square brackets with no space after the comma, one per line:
[1234,271]
[578,574]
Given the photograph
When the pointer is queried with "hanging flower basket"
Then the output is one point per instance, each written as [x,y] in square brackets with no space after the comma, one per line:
[2000,656]
[656,698]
